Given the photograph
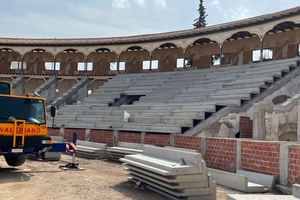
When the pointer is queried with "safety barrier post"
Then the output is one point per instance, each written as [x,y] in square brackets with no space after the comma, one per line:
[71,147]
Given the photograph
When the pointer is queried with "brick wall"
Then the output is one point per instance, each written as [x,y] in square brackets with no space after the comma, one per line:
[294,166]
[54,131]
[68,134]
[256,156]
[246,125]
[261,157]
[159,140]
[129,137]
[102,136]
[221,154]
[187,142]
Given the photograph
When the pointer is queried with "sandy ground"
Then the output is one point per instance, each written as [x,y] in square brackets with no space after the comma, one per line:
[101,179]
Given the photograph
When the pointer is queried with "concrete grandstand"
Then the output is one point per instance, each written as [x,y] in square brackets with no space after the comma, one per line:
[188,89]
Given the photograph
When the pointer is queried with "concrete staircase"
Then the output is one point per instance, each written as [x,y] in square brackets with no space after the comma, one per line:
[172,102]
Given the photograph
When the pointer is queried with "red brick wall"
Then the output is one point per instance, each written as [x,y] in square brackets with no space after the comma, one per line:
[187,142]
[68,134]
[102,136]
[129,137]
[294,166]
[221,154]
[159,140]
[261,157]
[54,131]
[246,126]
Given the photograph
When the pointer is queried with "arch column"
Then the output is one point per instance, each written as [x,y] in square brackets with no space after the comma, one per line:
[85,64]
[184,58]
[54,64]
[22,61]
[221,52]
[150,64]
[261,47]
[118,64]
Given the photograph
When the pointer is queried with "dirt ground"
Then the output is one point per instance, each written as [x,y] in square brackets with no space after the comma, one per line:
[101,179]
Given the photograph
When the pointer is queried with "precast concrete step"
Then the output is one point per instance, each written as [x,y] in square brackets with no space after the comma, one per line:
[80,124]
[106,107]
[178,121]
[165,128]
[253,90]
[97,100]
[108,125]
[106,95]
[269,79]
[194,114]
[218,101]
[229,86]
[69,112]
[75,107]
[85,118]
[245,96]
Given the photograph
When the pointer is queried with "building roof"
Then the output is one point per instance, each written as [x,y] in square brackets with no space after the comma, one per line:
[153,37]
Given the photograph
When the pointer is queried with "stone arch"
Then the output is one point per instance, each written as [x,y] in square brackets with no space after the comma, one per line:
[35,61]
[289,136]
[68,59]
[287,132]
[133,57]
[101,58]
[281,27]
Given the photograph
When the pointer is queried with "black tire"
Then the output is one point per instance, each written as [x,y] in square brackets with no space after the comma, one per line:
[16,160]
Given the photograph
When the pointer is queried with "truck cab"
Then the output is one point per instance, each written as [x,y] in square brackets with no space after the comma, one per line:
[23,126]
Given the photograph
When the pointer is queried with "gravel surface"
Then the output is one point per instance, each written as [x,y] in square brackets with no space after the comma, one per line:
[100,179]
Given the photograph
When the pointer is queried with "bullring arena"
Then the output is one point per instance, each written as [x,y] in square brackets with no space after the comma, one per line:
[224,98]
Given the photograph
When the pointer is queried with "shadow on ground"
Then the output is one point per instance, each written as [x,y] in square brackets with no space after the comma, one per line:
[127,188]
[14,174]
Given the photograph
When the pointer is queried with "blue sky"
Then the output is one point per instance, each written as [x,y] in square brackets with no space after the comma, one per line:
[112,18]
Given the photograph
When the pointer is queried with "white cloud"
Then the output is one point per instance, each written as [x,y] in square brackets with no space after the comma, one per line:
[121,4]
[141,2]
[239,13]
[215,2]
[161,2]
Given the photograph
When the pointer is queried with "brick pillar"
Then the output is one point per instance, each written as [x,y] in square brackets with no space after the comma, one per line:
[246,127]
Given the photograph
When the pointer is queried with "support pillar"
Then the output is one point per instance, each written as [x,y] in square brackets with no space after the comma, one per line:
[118,64]
[203,147]
[143,137]
[115,138]
[261,47]
[184,58]
[283,163]
[150,64]
[54,64]
[22,61]
[221,53]
[238,155]
[85,64]
[172,140]
[87,134]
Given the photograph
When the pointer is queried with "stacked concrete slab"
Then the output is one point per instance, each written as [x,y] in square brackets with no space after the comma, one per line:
[91,150]
[236,181]
[123,149]
[171,102]
[175,173]
[295,196]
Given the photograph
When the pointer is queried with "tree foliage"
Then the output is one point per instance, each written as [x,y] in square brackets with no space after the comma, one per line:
[201,21]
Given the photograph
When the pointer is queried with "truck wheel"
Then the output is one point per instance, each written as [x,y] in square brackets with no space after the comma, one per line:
[16,160]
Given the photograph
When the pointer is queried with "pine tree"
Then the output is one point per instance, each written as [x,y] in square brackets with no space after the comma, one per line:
[201,22]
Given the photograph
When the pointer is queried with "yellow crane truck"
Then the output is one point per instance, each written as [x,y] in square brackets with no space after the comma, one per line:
[23,125]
